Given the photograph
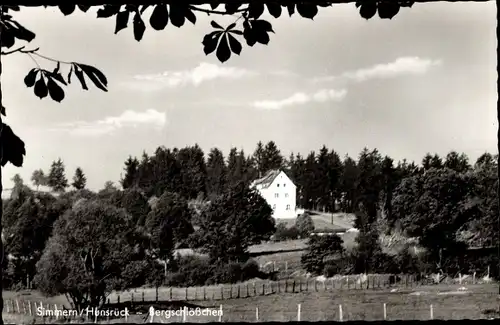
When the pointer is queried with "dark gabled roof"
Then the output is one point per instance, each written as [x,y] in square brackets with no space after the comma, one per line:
[267,179]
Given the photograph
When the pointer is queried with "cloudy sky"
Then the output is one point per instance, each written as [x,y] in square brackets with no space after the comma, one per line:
[423,82]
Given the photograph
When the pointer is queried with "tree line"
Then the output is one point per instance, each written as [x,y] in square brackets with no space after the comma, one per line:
[325,180]
[84,244]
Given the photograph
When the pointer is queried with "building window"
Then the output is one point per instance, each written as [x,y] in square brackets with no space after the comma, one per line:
[274,206]
[286,194]
[278,185]
[276,195]
[288,206]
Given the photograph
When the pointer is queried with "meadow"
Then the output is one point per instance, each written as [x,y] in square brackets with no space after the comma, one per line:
[471,301]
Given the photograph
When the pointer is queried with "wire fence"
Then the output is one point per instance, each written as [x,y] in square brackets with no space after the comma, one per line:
[39,313]
[229,295]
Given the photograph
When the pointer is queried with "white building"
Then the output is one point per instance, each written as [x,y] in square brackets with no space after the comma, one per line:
[280,193]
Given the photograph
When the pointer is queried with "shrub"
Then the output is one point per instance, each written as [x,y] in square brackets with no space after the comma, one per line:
[250,270]
[304,224]
[319,249]
[198,271]
[408,262]
[283,233]
[342,264]
[190,271]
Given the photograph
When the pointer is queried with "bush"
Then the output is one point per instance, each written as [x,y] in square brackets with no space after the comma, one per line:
[408,262]
[283,233]
[337,266]
[319,249]
[228,273]
[198,271]
[190,271]
[304,224]
[250,270]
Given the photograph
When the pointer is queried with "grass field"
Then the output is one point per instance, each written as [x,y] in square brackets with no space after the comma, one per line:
[324,221]
[448,302]
[367,305]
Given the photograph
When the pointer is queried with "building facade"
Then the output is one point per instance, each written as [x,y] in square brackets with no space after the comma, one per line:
[280,193]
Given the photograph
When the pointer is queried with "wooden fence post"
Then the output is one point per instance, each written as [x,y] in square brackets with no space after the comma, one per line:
[324,285]
[293,288]
[286,266]
[231,291]
[341,315]
[118,298]
[220,314]
[263,288]
[315,285]
[385,311]
[17,305]
[29,307]
[221,292]
[307,284]
[132,298]
[257,314]
[254,289]
[300,286]
[474,277]
[186,293]
[142,296]
[204,293]
[432,312]
[298,313]
[248,293]
[347,280]
[239,287]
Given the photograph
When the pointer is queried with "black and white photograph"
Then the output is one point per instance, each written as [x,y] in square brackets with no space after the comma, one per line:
[262,161]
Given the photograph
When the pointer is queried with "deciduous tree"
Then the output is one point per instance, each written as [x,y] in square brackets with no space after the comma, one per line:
[39,179]
[94,249]
[233,222]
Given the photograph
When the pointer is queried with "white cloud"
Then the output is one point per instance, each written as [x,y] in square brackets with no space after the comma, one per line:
[202,73]
[299,98]
[401,66]
[128,119]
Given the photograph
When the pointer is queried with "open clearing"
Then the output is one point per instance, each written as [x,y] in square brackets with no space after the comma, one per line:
[448,302]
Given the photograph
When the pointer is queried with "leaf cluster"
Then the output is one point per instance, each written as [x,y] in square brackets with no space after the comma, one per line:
[45,82]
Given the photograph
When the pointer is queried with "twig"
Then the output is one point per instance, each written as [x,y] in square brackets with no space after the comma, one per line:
[13,51]
[215,12]
[50,59]
[36,62]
